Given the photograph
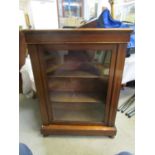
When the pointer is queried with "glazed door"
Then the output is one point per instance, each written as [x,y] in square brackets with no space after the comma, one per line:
[78,81]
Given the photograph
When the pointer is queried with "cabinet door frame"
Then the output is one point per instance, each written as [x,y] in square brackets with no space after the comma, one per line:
[112,47]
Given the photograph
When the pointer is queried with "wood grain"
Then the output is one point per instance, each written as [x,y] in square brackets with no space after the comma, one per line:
[98,35]
[98,130]
[76,84]
[22,56]
[71,97]
[33,51]
[121,52]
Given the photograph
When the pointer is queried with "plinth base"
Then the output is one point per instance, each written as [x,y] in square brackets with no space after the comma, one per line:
[96,130]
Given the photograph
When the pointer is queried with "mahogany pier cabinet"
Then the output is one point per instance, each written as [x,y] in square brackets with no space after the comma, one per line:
[78,76]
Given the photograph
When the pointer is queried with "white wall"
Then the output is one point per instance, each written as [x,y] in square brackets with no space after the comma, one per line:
[22,19]
[44,14]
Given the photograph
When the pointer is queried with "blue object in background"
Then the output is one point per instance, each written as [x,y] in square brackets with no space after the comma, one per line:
[106,21]
[24,150]
[124,153]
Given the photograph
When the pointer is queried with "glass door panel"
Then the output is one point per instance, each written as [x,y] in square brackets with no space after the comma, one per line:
[77,84]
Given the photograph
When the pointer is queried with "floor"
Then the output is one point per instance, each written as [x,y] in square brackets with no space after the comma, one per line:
[29,126]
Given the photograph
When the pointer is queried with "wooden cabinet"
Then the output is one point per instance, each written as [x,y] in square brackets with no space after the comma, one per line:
[78,76]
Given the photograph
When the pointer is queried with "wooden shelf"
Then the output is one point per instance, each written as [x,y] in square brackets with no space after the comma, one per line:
[57,71]
[83,112]
[88,85]
[52,68]
[70,97]
[75,74]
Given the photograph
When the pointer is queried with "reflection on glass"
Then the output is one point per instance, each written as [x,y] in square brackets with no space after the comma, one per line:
[77,83]
[89,63]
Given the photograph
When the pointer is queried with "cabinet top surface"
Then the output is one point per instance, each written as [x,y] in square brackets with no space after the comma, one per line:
[129,30]
[82,35]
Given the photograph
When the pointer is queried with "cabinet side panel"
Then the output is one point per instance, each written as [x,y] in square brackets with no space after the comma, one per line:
[121,52]
[38,82]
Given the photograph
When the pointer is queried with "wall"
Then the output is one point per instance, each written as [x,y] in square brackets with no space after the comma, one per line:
[42,13]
